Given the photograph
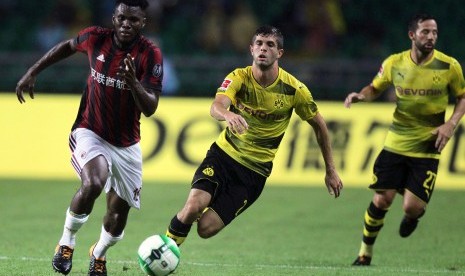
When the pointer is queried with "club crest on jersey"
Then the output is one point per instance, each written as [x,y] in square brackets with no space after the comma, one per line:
[225,84]
[157,70]
[278,104]
[208,171]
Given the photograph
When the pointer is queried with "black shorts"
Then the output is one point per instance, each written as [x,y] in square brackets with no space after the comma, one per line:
[400,172]
[233,186]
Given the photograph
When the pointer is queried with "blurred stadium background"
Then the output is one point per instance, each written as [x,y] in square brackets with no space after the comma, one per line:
[334,46]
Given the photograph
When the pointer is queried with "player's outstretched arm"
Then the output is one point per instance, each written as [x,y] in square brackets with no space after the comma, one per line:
[60,51]
[332,179]
[367,94]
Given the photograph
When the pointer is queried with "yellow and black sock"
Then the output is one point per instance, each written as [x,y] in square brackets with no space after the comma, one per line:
[177,230]
[373,222]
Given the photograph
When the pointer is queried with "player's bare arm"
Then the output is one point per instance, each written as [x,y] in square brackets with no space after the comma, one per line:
[332,180]
[367,94]
[60,51]
[146,99]
[220,111]
[445,131]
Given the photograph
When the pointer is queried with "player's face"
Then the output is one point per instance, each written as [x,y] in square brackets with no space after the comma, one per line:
[128,22]
[265,51]
[425,36]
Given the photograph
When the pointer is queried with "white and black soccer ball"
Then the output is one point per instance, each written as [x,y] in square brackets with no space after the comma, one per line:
[158,255]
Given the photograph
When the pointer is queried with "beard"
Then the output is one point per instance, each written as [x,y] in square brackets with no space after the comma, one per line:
[423,48]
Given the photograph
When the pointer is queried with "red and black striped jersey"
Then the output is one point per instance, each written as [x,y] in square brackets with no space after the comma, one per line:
[107,106]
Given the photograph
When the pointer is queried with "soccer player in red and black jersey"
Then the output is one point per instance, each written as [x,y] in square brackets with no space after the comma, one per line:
[126,72]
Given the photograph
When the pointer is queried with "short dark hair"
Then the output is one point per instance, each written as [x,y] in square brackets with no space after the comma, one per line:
[143,4]
[270,31]
[418,18]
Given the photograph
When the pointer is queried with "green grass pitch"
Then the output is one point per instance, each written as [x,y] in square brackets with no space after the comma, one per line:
[289,231]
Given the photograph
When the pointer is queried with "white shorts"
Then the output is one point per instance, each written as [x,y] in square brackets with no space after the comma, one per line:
[124,163]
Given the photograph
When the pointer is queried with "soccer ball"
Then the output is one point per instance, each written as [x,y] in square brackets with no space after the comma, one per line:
[158,255]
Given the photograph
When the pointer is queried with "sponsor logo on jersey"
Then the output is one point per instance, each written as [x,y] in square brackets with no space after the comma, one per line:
[259,113]
[418,91]
[107,80]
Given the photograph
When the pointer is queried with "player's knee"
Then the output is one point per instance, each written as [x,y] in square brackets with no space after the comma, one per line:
[207,231]
[193,209]
[209,225]
[91,188]
[414,210]
[383,200]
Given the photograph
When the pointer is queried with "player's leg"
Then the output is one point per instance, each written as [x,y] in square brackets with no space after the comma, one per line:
[373,222]
[209,224]
[93,178]
[112,231]
[197,200]
[206,180]
[390,175]
[123,192]
[418,192]
[414,209]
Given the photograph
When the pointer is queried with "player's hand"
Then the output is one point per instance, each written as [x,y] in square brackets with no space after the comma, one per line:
[128,71]
[444,132]
[333,183]
[236,123]
[353,97]
[26,83]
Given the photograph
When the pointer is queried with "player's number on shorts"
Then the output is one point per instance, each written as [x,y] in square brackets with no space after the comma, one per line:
[429,183]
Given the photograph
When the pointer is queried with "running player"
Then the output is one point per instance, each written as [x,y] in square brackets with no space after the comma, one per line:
[424,79]
[124,81]
[257,103]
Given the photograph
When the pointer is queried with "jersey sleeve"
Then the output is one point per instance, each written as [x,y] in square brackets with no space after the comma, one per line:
[230,86]
[305,107]
[151,69]
[82,40]
[383,78]
[457,82]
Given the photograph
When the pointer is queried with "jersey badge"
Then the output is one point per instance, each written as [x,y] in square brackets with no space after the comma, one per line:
[225,84]
[278,103]
[83,154]
[208,171]
[157,70]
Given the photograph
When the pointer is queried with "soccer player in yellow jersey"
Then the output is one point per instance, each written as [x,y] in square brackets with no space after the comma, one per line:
[424,79]
[257,103]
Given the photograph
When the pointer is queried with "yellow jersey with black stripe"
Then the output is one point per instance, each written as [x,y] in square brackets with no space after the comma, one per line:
[422,95]
[267,111]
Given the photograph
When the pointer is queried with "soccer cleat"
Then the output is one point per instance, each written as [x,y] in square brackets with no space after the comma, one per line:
[62,261]
[97,267]
[407,226]
[362,261]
